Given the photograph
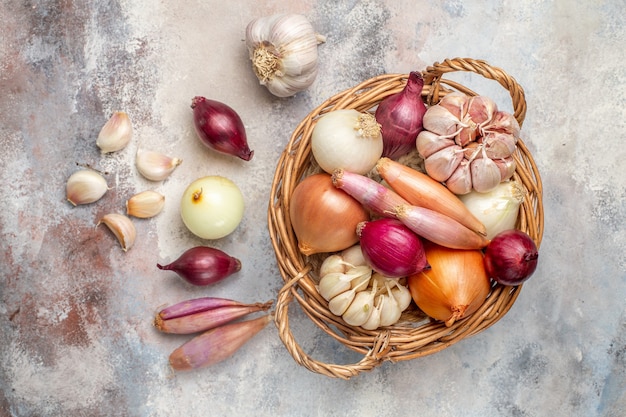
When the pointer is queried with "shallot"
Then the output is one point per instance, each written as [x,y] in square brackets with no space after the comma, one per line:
[194,315]
[216,345]
[220,128]
[203,265]
[421,190]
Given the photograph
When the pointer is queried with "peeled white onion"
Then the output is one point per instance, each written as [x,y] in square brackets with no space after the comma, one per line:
[347,139]
[212,207]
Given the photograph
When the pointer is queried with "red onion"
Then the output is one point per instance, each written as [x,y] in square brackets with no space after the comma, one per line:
[400,116]
[220,128]
[203,265]
[391,248]
[511,257]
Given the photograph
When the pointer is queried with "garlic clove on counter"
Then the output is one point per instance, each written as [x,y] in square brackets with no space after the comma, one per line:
[155,166]
[145,204]
[85,186]
[283,51]
[122,227]
[116,133]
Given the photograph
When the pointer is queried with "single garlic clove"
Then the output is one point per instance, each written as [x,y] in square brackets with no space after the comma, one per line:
[145,204]
[485,174]
[122,227]
[373,321]
[333,263]
[339,303]
[443,163]
[460,182]
[507,167]
[499,145]
[155,166]
[402,296]
[427,143]
[353,256]
[390,312]
[333,284]
[85,186]
[360,309]
[116,133]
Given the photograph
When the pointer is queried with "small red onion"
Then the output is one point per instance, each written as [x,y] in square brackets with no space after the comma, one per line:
[511,257]
[203,265]
[391,248]
[400,116]
[220,128]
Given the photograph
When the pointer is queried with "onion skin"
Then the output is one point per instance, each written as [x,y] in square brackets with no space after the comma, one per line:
[511,257]
[323,217]
[400,116]
[391,248]
[220,128]
[216,345]
[454,287]
[203,265]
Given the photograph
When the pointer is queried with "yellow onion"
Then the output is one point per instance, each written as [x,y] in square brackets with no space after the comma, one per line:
[454,287]
[324,218]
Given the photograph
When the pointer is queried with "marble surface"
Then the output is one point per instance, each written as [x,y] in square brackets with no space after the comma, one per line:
[75,310]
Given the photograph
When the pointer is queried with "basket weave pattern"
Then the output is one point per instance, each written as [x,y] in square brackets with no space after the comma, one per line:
[414,335]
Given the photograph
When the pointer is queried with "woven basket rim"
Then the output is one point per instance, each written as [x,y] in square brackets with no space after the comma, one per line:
[406,340]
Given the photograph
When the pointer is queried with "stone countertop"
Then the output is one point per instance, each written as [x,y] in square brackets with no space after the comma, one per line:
[75,310]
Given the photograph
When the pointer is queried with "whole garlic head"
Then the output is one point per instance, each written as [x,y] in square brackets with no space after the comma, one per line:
[283,51]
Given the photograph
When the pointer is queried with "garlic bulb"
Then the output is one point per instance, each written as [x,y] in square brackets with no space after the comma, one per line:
[359,295]
[467,143]
[283,51]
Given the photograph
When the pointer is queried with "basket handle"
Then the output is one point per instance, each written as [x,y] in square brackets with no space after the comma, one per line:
[371,360]
[433,75]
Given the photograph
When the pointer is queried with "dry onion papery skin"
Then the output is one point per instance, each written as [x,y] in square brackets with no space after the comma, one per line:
[454,287]
[323,217]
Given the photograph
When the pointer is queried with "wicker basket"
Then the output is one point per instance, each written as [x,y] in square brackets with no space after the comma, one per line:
[415,335]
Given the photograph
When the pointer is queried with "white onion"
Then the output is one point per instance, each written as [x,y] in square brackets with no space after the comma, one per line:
[347,139]
[212,207]
[496,209]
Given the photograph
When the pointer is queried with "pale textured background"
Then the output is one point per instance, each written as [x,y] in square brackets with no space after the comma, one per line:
[75,311]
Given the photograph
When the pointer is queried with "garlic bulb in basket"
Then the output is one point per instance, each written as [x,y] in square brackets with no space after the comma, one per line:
[467,143]
[283,51]
[359,295]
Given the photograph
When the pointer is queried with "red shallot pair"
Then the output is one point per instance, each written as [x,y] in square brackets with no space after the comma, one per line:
[214,318]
